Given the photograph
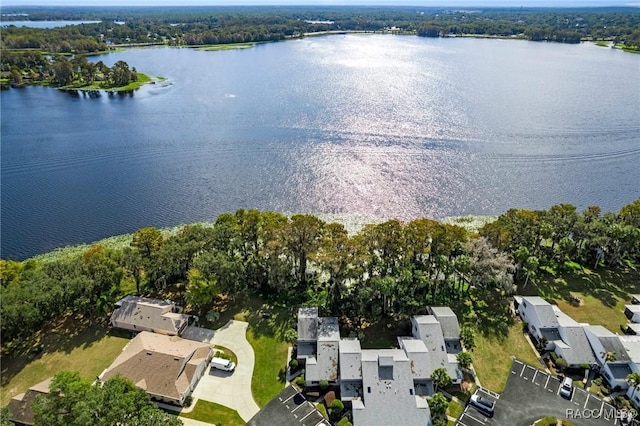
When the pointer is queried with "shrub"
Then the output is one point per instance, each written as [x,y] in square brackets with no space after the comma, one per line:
[301,382]
[337,405]
[324,384]
[187,401]
[293,364]
[561,362]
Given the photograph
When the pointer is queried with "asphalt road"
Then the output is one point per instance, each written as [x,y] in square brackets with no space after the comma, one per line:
[531,394]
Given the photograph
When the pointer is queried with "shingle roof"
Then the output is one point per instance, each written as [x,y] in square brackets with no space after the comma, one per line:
[150,314]
[430,332]
[388,392]
[543,310]
[579,350]
[307,324]
[350,359]
[448,321]
[20,406]
[160,365]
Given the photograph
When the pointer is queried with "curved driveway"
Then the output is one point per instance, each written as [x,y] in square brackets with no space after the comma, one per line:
[232,390]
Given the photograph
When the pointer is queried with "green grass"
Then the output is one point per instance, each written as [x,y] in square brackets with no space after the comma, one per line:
[454,409]
[229,354]
[69,346]
[210,412]
[493,354]
[320,406]
[602,43]
[604,294]
[230,46]
[265,337]
[98,85]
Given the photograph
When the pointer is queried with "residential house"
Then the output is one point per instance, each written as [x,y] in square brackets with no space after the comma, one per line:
[429,330]
[556,331]
[617,356]
[20,411]
[318,346]
[289,407]
[143,314]
[632,312]
[389,396]
[166,367]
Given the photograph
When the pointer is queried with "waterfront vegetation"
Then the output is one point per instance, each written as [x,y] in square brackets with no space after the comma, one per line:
[206,411]
[194,26]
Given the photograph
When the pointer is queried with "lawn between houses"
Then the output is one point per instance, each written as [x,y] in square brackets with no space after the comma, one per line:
[208,412]
[69,345]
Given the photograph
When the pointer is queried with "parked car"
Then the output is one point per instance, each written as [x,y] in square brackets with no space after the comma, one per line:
[485,405]
[223,364]
[566,388]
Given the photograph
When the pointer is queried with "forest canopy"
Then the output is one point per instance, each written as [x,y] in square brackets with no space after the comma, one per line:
[220,25]
[387,269]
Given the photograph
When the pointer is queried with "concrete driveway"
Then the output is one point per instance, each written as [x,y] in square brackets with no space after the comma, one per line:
[232,390]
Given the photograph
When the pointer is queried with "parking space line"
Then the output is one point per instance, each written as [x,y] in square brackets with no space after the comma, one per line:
[587,401]
[523,367]
[533,379]
[547,382]
[473,418]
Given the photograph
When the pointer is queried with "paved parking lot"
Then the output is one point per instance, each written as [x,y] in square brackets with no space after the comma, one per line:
[531,394]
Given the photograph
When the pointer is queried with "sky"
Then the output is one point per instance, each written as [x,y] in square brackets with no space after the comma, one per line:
[425,3]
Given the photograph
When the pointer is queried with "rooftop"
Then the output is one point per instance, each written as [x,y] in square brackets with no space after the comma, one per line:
[161,365]
[150,314]
[448,321]
[388,392]
[307,324]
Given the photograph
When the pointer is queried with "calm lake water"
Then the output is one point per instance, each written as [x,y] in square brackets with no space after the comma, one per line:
[43,24]
[380,126]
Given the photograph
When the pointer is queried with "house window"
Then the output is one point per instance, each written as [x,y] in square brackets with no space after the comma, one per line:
[524,303]
[368,389]
[410,391]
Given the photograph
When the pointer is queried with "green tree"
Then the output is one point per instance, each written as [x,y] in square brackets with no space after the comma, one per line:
[438,405]
[464,359]
[441,379]
[73,401]
[303,237]
[200,291]
[468,337]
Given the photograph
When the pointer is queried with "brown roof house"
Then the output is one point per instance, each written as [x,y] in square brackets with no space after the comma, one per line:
[19,407]
[143,314]
[166,367]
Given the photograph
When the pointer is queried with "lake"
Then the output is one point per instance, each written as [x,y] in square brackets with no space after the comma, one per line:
[369,125]
[44,24]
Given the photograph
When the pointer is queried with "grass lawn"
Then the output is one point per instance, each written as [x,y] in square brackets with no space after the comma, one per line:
[492,356]
[454,409]
[70,345]
[230,46]
[228,353]
[604,294]
[265,336]
[210,412]
[320,406]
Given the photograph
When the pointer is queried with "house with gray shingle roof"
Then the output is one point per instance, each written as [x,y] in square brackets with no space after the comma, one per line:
[559,332]
[428,329]
[144,314]
[617,356]
[318,346]
[389,396]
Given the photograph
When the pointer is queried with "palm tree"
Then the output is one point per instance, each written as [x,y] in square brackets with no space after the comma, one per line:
[633,380]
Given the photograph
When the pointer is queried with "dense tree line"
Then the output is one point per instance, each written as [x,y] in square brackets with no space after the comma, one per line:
[389,269]
[217,25]
[26,67]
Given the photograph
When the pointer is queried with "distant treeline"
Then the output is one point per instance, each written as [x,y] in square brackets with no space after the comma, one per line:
[221,25]
[390,269]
